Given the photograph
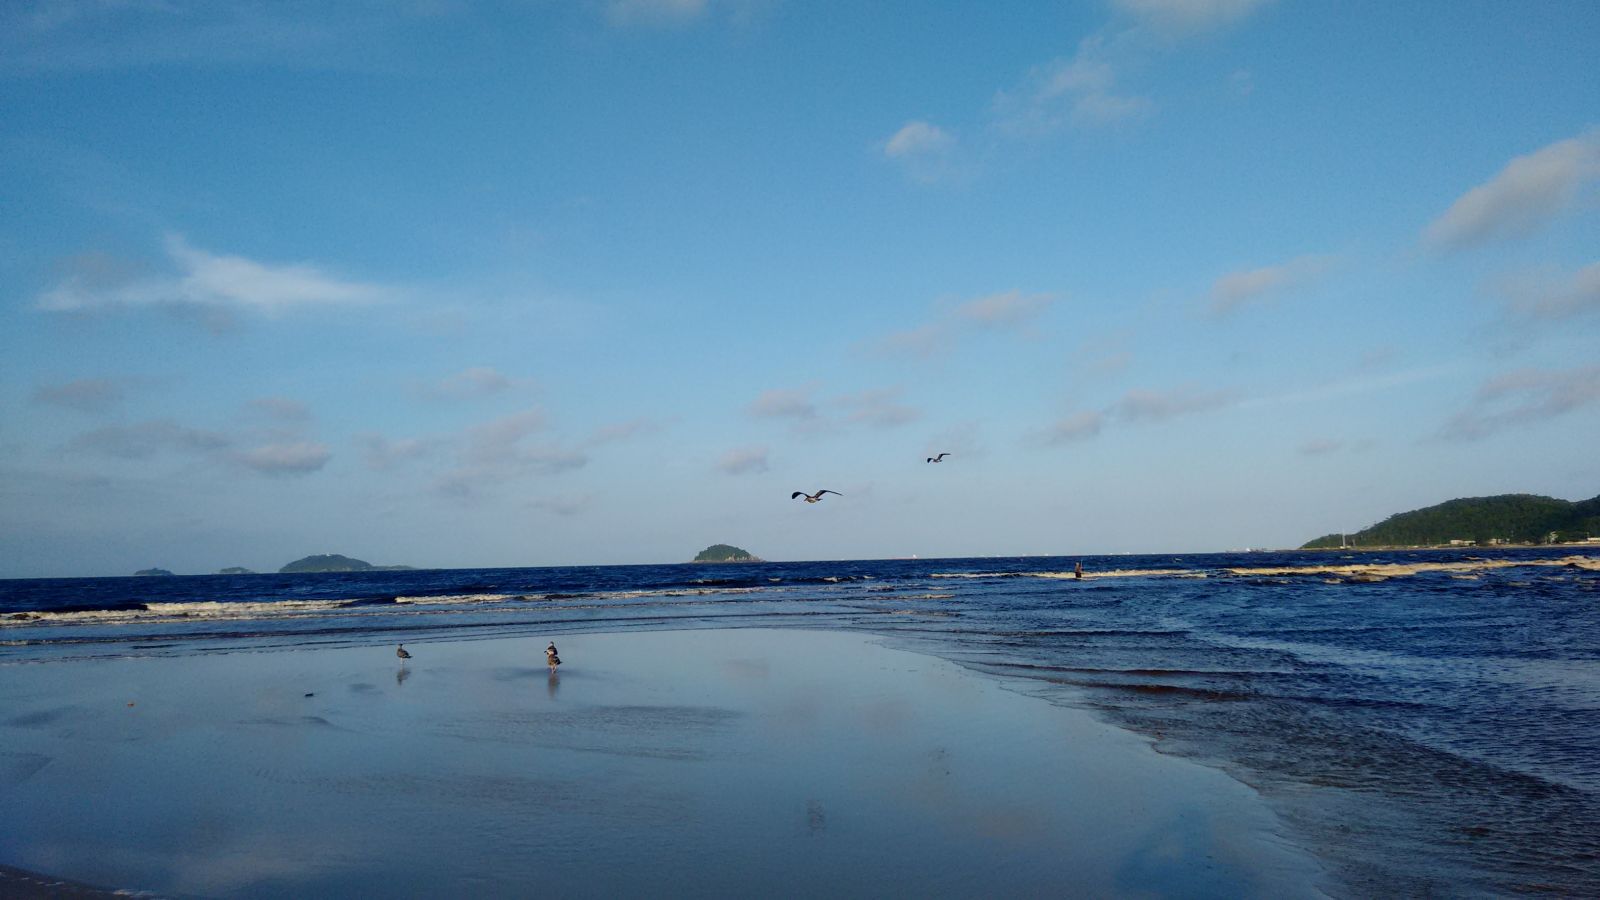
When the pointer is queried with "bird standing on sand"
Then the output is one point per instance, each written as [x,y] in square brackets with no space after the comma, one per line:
[939,458]
[812,498]
[550,657]
[400,651]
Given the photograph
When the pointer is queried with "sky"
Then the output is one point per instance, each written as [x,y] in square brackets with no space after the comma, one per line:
[458,283]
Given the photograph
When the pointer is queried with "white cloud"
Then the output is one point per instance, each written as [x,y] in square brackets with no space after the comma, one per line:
[297,458]
[210,283]
[917,138]
[1179,17]
[1544,295]
[1524,196]
[1524,397]
[743,460]
[1081,89]
[1236,289]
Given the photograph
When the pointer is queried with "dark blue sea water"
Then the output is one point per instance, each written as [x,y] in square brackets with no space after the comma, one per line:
[1424,731]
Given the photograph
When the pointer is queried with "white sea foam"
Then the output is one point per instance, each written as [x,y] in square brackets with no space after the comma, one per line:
[447,599]
[155,612]
[1104,573]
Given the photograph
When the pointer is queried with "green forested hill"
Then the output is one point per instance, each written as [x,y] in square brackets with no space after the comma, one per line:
[1516,518]
[724,553]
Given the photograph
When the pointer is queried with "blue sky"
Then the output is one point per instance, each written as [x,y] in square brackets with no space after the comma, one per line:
[456,283]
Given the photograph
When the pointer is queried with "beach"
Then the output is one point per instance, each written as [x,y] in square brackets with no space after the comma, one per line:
[664,763]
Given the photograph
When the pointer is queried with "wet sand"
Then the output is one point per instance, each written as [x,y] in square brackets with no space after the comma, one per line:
[691,763]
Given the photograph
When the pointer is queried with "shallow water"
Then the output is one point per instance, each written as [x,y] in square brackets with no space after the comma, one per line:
[706,763]
[1434,731]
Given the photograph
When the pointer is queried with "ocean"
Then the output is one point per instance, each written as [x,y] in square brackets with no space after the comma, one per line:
[1424,722]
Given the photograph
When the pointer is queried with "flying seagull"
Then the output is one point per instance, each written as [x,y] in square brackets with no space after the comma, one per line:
[939,458]
[401,652]
[812,498]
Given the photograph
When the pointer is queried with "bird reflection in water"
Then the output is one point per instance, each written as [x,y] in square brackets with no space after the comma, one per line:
[554,684]
[401,675]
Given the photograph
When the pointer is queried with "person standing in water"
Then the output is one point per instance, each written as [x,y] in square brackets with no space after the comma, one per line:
[1077,569]
[550,657]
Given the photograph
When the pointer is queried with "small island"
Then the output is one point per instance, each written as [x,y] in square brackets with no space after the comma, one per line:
[236,570]
[725,553]
[334,562]
[158,572]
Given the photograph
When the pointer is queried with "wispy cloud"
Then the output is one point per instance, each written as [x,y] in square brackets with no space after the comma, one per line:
[622,431]
[295,458]
[1236,289]
[879,408]
[873,407]
[562,504]
[148,439]
[1552,296]
[1524,397]
[743,461]
[654,13]
[283,409]
[1185,17]
[382,454]
[1134,407]
[1011,310]
[1081,89]
[1320,446]
[472,383]
[784,403]
[917,138]
[1524,196]
[1076,427]
[89,395]
[1158,406]
[214,285]
[923,150]
[142,440]
[502,450]
[100,35]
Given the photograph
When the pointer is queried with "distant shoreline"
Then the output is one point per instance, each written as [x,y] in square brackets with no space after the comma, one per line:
[1388,547]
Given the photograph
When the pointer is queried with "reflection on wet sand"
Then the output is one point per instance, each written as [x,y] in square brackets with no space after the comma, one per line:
[668,743]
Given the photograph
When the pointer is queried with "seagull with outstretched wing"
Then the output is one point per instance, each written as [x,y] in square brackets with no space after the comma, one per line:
[939,458]
[812,498]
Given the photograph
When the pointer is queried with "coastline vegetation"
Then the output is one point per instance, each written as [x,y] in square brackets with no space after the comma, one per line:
[1482,521]
[720,553]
